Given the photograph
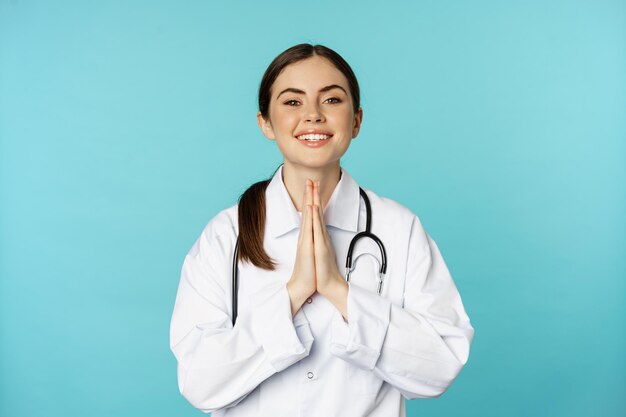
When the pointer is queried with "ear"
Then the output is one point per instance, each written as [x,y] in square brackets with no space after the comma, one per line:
[358,118]
[266,126]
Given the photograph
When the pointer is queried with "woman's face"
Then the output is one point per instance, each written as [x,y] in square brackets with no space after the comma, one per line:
[311,95]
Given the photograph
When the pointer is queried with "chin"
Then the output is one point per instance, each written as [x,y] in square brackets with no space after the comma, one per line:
[317,163]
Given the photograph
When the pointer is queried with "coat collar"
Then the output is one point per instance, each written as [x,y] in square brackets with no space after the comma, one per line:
[342,210]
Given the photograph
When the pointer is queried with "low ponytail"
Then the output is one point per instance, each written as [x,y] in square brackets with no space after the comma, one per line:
[251,214]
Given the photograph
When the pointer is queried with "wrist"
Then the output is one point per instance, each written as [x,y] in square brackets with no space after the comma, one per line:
[297,293]
[337,293]
[333,287]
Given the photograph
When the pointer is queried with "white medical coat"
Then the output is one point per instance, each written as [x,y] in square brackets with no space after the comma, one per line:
[411,342]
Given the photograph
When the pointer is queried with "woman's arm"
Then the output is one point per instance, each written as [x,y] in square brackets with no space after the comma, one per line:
[420,348]
[218,365]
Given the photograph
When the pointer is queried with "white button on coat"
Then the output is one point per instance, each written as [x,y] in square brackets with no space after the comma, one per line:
[410,342]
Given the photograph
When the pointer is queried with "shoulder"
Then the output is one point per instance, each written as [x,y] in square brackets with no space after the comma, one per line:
[223,223]
[389,208]
[220,230]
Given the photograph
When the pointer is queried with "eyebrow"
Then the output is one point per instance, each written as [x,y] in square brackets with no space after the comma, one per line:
[322,90]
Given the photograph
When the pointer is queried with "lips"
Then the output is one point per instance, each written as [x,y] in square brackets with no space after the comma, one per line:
[313,138]
[315,141]
[313,132]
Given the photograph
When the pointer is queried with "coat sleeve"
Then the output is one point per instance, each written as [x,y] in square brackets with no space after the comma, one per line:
[419,348]
[218,364]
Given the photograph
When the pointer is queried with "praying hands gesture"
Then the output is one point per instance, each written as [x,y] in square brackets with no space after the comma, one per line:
[315,268]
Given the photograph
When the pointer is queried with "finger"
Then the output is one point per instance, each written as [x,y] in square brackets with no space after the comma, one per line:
[316,193]
[318,208]
[308,194]
[305,202]
[312,202]
[302,226]
[317,228]
[321,231]
[303,234]
[309,188]
[321,210]
[305,224]
[314,221]
[311,218]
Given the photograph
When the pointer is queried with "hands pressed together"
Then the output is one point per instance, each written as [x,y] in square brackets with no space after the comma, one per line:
[315,267]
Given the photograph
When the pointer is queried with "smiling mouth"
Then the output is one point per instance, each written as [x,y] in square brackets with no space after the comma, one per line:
[313,137]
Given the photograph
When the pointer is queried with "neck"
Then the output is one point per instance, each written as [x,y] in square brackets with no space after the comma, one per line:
[295,176]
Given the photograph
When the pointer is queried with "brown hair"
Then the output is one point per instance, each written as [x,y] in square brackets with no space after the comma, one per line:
[252,201]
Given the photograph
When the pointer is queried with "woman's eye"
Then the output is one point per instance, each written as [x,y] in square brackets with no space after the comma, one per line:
[333,100]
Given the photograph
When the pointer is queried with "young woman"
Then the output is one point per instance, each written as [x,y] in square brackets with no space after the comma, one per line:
[306,341]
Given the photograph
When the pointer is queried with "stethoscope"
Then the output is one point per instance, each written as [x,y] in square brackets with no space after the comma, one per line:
[349,264]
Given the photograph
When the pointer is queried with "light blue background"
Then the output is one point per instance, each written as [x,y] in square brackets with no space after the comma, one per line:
[126,126]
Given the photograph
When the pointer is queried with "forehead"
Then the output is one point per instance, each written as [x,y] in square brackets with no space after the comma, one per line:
[310,74]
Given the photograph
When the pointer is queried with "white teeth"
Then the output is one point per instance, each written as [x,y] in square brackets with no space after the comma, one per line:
[313,137]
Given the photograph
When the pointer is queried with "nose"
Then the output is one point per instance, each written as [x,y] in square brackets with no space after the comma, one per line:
[313,113]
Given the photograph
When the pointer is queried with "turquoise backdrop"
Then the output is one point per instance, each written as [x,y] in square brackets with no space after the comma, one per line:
[126,125]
